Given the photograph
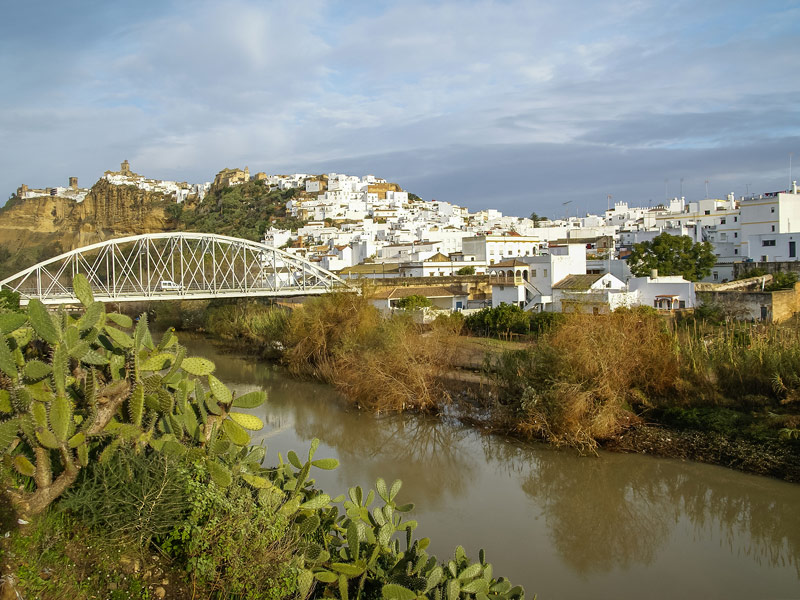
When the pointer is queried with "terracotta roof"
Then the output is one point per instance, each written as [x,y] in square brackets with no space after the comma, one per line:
[429,291]
[509,263]
[577,282]
[372,268]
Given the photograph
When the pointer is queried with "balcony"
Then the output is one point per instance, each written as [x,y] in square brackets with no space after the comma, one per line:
[506,280]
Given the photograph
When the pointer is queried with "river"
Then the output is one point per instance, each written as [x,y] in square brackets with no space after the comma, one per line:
[563,526]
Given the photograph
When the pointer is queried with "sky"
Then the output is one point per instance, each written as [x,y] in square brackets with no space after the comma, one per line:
[525,106]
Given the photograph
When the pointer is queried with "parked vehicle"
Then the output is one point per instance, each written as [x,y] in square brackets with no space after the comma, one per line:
[170,286]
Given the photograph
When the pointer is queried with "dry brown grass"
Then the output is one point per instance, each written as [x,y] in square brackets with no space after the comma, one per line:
[380,364]
[577,384]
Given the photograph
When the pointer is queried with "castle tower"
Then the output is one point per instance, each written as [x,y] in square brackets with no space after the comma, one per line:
[125,167]
[73,183]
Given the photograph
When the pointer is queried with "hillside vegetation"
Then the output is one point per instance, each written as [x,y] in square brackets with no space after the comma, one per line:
[244,211]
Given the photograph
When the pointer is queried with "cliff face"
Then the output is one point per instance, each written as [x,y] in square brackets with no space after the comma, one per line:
[108,211]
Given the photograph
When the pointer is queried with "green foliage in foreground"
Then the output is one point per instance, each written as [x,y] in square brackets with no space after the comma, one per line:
[137,440]
[76,388]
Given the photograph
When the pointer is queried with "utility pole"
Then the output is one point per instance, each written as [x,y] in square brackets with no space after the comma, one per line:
[706,189]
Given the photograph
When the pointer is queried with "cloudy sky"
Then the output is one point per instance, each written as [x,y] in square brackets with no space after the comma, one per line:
[518,105]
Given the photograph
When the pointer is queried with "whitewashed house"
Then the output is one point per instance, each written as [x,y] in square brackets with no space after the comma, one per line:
[592,293]
[664,292]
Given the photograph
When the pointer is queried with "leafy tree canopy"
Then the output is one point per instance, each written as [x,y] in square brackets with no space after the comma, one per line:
[672,255]
[413,302]
[470,270]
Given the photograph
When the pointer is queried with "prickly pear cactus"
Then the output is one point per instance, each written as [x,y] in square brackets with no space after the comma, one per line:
[76,388]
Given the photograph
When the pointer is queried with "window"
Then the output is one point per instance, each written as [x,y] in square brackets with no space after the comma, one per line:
[707,212]
[772,210]
[735,219]
[736,251]
[716,276]
[533,273]
[773,228]
[767,242]
[736,234]
[722,221]
[792,250]
[764,258]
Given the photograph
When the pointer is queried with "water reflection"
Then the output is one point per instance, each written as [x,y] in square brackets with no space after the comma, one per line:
[561,525]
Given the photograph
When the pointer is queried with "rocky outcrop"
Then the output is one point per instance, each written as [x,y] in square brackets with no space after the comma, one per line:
[108,211]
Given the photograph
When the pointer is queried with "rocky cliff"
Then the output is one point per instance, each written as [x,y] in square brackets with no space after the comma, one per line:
[107,211]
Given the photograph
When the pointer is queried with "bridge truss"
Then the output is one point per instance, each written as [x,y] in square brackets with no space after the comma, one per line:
[172,266]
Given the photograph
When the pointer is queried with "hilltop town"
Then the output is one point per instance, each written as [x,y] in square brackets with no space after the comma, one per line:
[367,227]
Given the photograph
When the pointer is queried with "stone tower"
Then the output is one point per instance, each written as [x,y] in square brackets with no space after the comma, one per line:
[73,183]
[125,167]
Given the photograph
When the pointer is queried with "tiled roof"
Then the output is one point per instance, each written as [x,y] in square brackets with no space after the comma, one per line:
[429,291]
[510,263]
[577,282]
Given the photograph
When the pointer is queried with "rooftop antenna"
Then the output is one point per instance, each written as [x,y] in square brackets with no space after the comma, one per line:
[564,204]
[681,187]
[747,185]
[666,188]
[790,167]
[608,201]
[706,189]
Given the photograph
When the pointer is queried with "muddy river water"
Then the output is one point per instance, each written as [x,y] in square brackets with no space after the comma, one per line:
[563,526]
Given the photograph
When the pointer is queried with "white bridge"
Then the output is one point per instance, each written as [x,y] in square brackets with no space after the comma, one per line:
[173,266]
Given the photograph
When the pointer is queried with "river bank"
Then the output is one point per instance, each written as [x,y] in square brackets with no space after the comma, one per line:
[631,386]
[471,391]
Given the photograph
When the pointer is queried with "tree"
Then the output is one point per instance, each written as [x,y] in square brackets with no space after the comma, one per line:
[536,219]
[470,270]
[413,302]
[672,255]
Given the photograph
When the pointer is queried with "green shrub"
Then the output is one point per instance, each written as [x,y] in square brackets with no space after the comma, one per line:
[469,270]
[232,544]
[413,302]
[781,281]
[499,321]
[134,494]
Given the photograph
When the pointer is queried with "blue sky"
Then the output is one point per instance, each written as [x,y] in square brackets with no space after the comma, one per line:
[518,105]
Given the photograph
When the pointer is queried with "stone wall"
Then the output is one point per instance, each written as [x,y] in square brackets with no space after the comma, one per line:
[756,306]
[769,267]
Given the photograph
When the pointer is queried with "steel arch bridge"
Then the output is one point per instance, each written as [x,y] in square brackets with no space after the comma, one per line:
[173,266]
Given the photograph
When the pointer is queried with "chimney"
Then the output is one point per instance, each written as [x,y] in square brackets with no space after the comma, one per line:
[654,274]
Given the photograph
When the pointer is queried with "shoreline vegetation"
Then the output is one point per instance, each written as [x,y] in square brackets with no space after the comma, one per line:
[699,388]
[127,471]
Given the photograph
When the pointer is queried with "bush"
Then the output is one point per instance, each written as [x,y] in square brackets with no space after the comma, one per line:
[134,495]
[501,320]
[230,543]
[578,383]
[781,281]
[414,302]
[541,322]
[381,364]
[466,271]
